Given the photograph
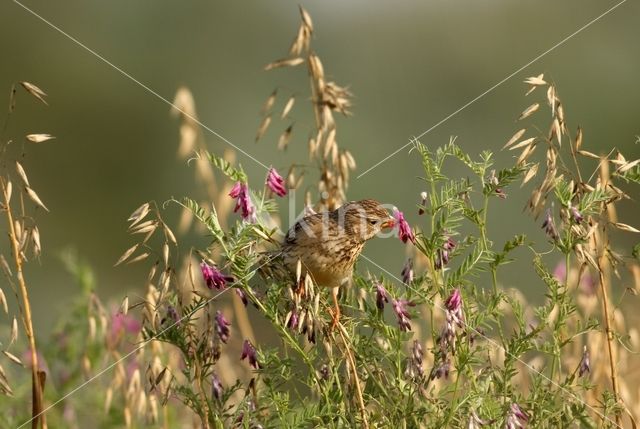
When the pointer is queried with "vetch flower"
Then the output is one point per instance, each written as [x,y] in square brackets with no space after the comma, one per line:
[382,296]
[292,320]
[414,367]
[214,277]
[407,272]
[441,370]
[222,327]
[240,191]
[249,352]
[417,355]
[404,230]
[242,296]
[576,215]
[585,363]
[454,317]
[402,312]
[423,204]
[549,226]
[442,254]
[216,386]
[516,418]
[275,182]
[475,422]
[172,315]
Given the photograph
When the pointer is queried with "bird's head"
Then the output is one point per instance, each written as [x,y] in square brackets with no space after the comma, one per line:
[364,219]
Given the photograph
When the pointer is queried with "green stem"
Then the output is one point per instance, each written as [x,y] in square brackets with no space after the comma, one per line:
[453,400]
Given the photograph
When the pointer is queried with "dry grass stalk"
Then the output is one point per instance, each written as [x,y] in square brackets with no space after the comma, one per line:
[327,97]
[594,251]
[37,376]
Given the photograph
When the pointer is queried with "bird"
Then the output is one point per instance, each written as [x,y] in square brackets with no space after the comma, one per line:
[327,244]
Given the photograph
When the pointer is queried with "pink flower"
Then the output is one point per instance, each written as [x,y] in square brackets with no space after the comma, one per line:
[381,296]
[216,386]
[442,255]
[213,277]
[550,226]
[453,317]
[275,182]
[249,352]
[516,418]
[407,272]
[404,230]
[121,325]
[585,363]
[402,313]
[240,191]
[222,327]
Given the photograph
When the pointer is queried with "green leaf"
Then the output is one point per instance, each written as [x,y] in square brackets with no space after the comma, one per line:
[210,220]
[235,174]
[471,261]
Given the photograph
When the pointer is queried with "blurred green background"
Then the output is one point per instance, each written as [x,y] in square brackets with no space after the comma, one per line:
[410,64]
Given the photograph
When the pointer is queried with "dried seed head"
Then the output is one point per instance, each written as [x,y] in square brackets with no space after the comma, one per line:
[268,104]
[3,301]
[263,127]
[515,138]
[35,91]
[39,138]
[288,107]
[34,197]
[285,62]
[529,111]
[22,173]
[306,19]
[285,138]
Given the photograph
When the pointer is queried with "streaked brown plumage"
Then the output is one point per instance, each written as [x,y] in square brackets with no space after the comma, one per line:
[327,244]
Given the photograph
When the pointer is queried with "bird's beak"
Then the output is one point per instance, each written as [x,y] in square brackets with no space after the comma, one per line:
[389,223]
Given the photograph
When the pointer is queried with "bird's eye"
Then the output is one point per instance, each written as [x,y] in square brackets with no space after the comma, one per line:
[373,221]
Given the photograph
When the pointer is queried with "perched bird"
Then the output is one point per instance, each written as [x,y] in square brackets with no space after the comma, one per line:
[327,244]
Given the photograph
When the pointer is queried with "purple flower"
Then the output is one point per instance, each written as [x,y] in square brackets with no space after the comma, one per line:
[222,327]
[585,363]
[240,191]
[249,352]
[381,296]
[423,204]
[454,318]
[549,226]
[417,356]
[172,315]
[516,418]
[441,370]
[404,230]
[121,325]
[454,303]
[407,272]
[275,182]
[242,296]
[475,422]
[216,386]
[402,312]
[560,272]
[292,323]
[214,277]
[442,254]
[576,215]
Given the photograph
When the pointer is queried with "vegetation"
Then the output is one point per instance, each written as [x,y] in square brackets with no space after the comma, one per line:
[224,338]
